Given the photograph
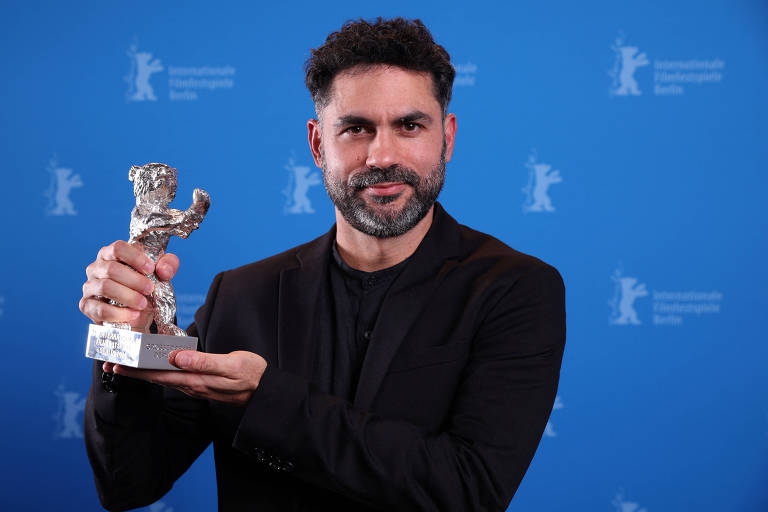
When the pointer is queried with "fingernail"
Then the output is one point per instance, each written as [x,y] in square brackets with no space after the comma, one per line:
[165,269]
[148,267]
[182,359]
[143,303]
[149,288]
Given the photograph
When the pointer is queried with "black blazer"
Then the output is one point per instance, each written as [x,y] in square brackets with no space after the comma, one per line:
[454,393]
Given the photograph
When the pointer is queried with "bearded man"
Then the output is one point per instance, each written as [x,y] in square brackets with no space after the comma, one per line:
[401,361]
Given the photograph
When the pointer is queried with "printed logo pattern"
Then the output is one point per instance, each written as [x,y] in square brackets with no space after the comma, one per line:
[549,431]
[143,66]
[627,60]
[626,291]
[540,178]
[466,75]
[68,417]
[670,77]
[300,180]
[670,307]
[62,181]
[184,82]
[621,505]
[159,506]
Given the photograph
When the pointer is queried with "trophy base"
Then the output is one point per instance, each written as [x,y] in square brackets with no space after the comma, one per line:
[136,349]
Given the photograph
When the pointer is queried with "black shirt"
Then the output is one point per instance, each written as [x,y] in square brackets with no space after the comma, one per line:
[357,297]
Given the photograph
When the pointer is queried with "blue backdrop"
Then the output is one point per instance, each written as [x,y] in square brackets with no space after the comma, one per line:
[624,143]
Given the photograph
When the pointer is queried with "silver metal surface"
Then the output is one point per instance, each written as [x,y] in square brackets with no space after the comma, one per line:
[152,226]
[136,349]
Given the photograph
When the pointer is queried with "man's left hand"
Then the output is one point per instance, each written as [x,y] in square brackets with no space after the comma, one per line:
[230,378]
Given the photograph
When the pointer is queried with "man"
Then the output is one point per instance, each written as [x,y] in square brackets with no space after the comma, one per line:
[401,361]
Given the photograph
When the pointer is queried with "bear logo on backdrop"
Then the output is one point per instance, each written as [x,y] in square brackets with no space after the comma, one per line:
[549,431]
[621,505]
[670,307]
[671,77]
[540,178]
[143,66]
[185,83]
[159,507]
[627,60]
[300,180]
[626,291]
[62,181]
[69,414]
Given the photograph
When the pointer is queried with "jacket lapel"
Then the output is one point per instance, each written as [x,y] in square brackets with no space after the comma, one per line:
[406,301]
[301,303]
[304,312]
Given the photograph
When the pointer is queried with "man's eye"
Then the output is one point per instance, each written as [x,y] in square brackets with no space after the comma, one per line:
[355,130]
[410,127]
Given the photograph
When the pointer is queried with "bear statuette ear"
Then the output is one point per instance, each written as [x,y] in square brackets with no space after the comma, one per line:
[133,171]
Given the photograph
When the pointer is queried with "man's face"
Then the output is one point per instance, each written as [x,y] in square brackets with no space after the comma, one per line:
[382,144]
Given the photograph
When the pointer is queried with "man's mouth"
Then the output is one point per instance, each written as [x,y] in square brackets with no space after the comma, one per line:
[387,188]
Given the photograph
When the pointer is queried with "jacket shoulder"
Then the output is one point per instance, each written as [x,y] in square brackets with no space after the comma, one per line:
[268,269]
[236,293]
[498,258]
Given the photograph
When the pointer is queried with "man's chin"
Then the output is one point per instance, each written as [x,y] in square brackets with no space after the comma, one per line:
[398,215]
[384,199]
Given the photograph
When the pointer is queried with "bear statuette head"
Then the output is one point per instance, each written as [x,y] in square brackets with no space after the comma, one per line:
[153,183]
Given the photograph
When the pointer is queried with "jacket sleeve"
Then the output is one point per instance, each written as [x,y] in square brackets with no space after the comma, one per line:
[476,462]
[140,439]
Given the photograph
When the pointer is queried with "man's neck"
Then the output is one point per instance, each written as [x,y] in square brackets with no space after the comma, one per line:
[368,253]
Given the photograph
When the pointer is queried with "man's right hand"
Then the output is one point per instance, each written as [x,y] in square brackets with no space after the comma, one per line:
[120,273]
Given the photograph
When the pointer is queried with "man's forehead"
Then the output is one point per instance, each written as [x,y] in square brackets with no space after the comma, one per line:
[362,70]
[382,87]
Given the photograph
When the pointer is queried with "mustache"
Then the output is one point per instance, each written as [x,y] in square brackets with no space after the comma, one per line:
[376,175]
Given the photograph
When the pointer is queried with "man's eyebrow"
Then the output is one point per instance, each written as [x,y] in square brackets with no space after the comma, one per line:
[352,119]
[416,115]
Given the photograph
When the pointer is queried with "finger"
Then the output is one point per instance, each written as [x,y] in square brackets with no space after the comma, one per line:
[191,381]
[129,254]
[154,376]
[195,384]
[201,362]
[108,367]
[115,291]
[121,273]
[167,266]
[99,311]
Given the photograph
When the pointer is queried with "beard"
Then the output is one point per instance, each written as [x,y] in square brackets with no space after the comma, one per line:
[383,221]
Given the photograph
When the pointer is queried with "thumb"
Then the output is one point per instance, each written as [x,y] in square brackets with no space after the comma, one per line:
[167,266]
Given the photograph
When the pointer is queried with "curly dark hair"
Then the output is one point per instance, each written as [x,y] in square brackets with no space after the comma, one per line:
[399,42]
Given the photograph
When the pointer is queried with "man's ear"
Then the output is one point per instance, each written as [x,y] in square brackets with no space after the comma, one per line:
[449,131]
[315,141]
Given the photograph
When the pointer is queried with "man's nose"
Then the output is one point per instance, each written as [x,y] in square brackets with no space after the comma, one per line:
[383,151]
